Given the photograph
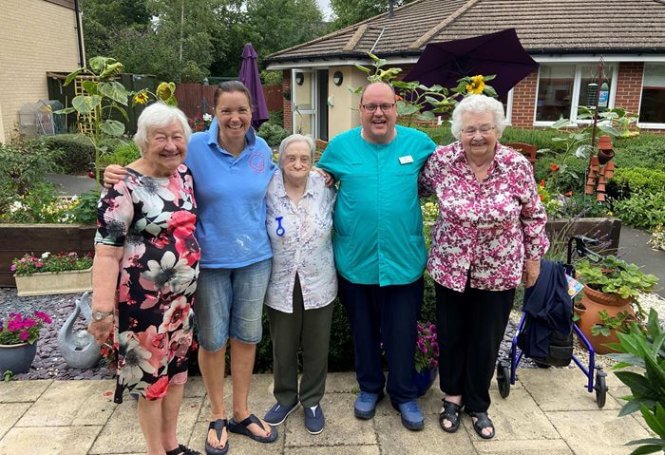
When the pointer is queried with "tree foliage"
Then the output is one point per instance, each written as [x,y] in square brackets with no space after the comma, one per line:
[186,40]
[349,12]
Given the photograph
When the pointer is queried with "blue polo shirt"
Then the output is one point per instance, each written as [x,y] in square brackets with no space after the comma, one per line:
[230,194]
[378,236]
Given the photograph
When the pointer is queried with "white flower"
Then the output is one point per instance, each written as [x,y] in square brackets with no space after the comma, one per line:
[46,254]
[207,117]
[135,361]
[168,274]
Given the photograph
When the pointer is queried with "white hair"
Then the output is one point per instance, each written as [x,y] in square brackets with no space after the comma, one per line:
[478,104]
[159,115]
[290,140]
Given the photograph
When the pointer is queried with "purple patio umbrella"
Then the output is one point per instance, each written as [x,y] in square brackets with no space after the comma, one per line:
[499,53]
[249,75]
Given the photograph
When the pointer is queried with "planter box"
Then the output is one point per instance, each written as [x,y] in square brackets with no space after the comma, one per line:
[18,239]
[54,283]
[607,230]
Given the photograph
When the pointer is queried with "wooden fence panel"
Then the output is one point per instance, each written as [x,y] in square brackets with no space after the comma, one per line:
[196,99]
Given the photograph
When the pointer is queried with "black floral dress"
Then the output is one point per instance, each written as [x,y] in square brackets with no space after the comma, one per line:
[153,220]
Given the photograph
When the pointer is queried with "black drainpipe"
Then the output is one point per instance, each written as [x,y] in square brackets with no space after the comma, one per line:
[79,33]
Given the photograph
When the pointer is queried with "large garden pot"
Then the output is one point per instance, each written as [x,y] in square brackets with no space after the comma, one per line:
[19,239]
[424,380]
[17,358]
[48,283]
[592,303]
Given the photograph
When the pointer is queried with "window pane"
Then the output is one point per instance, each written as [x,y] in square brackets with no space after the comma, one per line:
[589,86]
[652,109]
[555,89]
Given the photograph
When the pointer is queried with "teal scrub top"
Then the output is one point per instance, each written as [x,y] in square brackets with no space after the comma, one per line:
[378,229]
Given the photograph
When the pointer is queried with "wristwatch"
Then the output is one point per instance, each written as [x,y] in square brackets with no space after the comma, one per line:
[101,315]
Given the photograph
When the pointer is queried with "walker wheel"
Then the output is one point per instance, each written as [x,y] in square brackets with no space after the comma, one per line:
[503,379]
[601,388]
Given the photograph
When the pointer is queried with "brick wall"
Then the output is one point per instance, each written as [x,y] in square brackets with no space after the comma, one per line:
[35,36]
[629,86]
[288,113]
[524,102]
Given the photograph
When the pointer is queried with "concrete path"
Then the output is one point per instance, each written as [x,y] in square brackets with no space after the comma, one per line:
[633,248]
[548,411]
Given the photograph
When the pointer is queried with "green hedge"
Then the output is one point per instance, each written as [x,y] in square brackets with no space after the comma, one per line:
[629,180]
[77,155]
[644,210]
[122,155]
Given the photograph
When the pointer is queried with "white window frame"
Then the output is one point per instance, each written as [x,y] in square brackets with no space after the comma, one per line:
[647,125]
[577,80]
[314,111]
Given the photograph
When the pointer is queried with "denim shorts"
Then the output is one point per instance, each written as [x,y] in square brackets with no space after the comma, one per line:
[229,303]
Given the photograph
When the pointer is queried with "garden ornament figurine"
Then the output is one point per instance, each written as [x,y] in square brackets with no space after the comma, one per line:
[79,348]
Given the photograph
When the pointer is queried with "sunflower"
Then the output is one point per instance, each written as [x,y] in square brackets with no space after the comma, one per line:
[476,85]
[141,98]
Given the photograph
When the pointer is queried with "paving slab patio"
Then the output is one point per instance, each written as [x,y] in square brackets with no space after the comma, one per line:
[546,411]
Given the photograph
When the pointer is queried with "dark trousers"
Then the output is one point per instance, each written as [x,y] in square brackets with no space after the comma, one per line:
[306,329]
[388,315]
[470,326]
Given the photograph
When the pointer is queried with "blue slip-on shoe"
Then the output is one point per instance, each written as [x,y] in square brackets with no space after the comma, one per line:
[314,419]
[365,405]
[411,416]
[278,414]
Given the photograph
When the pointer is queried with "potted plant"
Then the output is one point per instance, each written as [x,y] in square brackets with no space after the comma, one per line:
[427,357]
[609,303]
[61,273]
[18,337]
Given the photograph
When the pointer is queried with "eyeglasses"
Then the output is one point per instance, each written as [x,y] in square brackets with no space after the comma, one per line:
[385,107]
[483,130]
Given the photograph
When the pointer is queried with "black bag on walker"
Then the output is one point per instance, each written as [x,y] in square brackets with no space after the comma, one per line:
[547,335]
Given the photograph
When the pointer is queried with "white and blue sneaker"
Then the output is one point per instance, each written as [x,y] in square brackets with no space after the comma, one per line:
[314,419]
[278,413]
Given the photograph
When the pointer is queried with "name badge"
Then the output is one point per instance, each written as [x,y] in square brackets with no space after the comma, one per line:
[405,159]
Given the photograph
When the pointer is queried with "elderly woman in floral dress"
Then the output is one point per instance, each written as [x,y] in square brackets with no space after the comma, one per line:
[489,236]
[145,273]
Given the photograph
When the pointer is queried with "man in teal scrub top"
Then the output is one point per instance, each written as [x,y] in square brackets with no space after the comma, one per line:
[379,248]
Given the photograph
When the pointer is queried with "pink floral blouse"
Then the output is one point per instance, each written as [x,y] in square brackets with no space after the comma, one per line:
[485,228]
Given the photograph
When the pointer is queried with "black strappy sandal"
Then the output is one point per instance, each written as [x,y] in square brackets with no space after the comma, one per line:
[218,425]
[182,449]
[451,413]
[482,422]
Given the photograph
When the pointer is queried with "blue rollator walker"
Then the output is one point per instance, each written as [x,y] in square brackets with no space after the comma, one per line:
[506,368]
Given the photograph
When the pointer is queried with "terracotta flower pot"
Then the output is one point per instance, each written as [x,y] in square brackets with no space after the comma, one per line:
[592,303]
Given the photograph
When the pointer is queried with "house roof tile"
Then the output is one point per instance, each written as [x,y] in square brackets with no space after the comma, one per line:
[543,26]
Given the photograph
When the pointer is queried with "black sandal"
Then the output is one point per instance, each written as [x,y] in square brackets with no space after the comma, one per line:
[182,449]
[482,422]
[218,425]
[450,412]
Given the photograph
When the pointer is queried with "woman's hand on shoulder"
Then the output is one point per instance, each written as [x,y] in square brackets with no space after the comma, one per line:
[328,179]
[113,174]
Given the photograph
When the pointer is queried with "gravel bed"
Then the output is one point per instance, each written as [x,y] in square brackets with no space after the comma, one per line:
[48,363]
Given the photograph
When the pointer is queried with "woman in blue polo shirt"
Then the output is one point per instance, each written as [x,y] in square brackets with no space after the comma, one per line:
[232,168]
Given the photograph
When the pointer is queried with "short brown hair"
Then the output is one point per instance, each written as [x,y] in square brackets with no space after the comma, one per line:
[229,87]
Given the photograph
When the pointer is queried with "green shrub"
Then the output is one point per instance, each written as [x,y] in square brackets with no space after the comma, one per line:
[77,152]
[273,134]
[644,209]
[646,152]
[628,180]
[22,167]
[85,212]
[123,155]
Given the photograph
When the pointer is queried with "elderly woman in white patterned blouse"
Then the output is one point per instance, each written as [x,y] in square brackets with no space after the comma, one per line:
[303,282]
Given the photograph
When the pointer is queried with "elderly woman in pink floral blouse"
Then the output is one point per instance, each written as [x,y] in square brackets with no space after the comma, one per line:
[489,237]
